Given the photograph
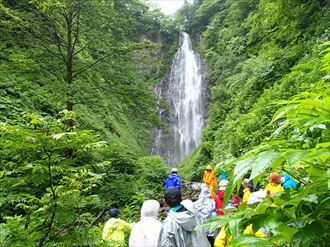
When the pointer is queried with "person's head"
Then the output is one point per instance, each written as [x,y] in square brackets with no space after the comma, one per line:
[174,171]
[203,185]
[275,178]
[223,184]
[245,183]
[150,208]
[172,197]
[113,212]
[285,178]
[205,192]
[208,168]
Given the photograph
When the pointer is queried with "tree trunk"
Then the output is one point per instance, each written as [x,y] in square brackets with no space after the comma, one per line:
[69,66]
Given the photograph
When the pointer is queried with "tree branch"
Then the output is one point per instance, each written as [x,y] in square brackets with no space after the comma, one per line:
[50,225]
[81,70]
[94,222]
[42,241]
[301,181]
[84,47]
[53,53]
[77,30]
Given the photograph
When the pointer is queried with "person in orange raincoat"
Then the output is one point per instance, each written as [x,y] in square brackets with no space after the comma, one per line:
[209,179]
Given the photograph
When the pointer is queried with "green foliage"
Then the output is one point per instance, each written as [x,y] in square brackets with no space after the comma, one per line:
[115,64]
[119,168]
[153,173]
[128,180]
[300,147]
[268,70]
[55,180]
[249,68]
[45,181]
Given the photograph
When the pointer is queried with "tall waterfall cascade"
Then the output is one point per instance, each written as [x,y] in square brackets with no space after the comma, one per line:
[184,91]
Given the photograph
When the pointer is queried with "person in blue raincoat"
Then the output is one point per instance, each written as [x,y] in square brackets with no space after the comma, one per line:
[173,180]
[288,182]
[223,175]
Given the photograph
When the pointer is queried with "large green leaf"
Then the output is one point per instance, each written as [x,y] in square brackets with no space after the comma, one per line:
[234,226]
[242,167]
[281,113]
[321,154]
[60,135]
[315,171]
[265,160]
[284,232]
[309,234]
[293,156]
[257,164]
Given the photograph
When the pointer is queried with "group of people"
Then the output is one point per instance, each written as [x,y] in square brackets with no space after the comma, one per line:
[179,227]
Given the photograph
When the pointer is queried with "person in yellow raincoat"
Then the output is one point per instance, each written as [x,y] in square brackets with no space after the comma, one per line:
[274,185]
[222,239]
[115,229]
[246,190]
[210,180]
[249,230]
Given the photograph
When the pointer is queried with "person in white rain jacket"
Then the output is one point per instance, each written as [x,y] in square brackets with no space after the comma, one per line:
[145,233]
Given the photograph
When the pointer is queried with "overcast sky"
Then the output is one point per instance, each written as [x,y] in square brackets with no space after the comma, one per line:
[168,7]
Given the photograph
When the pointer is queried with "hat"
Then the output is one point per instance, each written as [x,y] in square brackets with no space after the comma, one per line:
[223,184]
[172,193]
[113,212]
[209,167]
[205,192]
[245,182]
[174,170]
[188,204]
[275,178]
[150,208]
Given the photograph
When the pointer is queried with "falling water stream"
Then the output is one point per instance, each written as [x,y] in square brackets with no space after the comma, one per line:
[184,94]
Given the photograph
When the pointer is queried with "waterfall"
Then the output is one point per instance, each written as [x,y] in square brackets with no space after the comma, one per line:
[183,90]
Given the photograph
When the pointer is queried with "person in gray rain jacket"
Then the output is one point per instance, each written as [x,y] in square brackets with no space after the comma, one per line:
[205,206]
[178,229]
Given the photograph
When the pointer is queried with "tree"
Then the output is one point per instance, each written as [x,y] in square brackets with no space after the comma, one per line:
[75,35]
[44,193]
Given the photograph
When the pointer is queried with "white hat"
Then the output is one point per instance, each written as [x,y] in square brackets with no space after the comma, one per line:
[223,184]
[245,181]
[188,204]
[174,170]
[150,208]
